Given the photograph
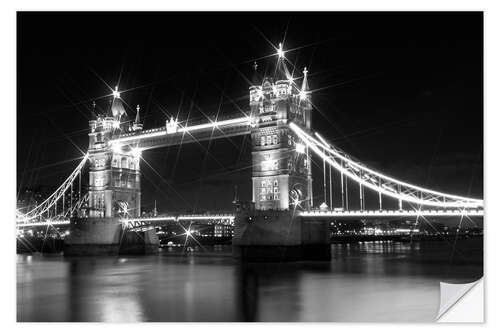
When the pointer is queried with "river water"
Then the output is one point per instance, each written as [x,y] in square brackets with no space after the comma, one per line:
[366,281]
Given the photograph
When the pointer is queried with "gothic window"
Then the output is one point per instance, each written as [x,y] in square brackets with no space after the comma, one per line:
[276,196]
[263,140]
[268,140]
[124,181]
[289,140]
[116,180]
[268,165]
[99,163]
[275,139]
[99,200]
[99,182]
[124,163]
[268,105]
[115,162]
[132,165]
[275,182]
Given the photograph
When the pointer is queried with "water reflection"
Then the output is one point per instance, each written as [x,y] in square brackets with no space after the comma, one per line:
[368,281]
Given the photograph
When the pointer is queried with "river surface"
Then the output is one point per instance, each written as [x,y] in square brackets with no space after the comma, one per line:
[366,281]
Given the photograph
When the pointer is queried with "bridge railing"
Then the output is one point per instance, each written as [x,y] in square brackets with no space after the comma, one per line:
[378,182]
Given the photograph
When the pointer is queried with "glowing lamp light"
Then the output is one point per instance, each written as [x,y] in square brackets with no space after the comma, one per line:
[136,152]
[296,202]
[117,149]
[116,93]
[188,232]
[300,148]
[302,95]
[281,53]
[116,124]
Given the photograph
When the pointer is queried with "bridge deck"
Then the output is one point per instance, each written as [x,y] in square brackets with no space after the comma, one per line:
[165,136]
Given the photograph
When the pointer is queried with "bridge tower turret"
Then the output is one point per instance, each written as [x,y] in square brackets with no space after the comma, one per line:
[281,173]
[114,174]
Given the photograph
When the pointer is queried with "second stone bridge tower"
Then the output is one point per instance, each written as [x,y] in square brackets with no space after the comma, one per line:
[281,171]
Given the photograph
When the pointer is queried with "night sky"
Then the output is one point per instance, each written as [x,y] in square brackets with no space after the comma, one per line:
[402,92]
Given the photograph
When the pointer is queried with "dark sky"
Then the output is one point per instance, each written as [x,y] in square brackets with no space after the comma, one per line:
[402,92]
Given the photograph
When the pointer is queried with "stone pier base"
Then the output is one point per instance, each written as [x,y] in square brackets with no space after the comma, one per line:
[106,236]
[279,236]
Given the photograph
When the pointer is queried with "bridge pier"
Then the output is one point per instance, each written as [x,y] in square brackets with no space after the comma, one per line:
[279,235]
[106,236]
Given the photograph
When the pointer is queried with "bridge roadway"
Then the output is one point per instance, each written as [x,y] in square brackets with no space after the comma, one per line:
[351,214]
[174,134]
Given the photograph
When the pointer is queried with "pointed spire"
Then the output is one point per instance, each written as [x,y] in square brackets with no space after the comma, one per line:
[116,93]
[281,53]
[281,72]
[256,79]
[236,199]
[109,112]
[305,84]
[137,116]
[93,114]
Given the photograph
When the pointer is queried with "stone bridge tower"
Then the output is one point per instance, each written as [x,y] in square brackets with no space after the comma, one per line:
[281,172]
[114,175]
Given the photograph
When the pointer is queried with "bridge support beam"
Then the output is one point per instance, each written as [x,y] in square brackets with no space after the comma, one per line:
[278,236]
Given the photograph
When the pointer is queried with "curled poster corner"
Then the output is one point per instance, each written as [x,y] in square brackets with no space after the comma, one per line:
[461,302]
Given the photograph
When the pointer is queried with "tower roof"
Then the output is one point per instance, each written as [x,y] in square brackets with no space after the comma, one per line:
[117,108]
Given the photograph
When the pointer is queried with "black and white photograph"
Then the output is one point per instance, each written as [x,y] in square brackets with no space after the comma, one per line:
[248,166]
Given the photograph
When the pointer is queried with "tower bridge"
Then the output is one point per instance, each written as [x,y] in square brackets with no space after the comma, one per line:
[282,214]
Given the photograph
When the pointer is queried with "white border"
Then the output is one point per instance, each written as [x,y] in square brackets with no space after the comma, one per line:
[8,135]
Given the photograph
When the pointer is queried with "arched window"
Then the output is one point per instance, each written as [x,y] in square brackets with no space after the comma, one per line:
[132,164]
[124,181]
[124,163]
